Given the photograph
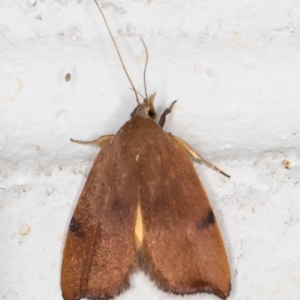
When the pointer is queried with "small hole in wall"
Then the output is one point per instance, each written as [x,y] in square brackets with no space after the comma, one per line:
[68,77]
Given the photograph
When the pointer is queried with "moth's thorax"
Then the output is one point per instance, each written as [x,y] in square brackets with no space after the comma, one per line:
[138,132]
[138,127]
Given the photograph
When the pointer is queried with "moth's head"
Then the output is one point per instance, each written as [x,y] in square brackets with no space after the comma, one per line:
[145,109]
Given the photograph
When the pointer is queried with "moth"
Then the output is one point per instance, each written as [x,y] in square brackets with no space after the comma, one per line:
[143,206]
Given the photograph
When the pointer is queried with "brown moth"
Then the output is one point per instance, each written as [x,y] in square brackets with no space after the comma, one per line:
[144,206]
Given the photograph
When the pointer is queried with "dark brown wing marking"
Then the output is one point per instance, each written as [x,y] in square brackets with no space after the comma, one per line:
[76,228]
[209,220]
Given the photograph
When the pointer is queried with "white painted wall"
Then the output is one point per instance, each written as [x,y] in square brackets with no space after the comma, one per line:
[234,68]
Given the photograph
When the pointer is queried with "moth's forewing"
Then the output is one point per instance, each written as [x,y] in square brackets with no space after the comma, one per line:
[183,250]
[100,247]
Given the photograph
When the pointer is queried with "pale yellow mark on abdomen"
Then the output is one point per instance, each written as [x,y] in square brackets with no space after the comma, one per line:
[137,156]
[139,232]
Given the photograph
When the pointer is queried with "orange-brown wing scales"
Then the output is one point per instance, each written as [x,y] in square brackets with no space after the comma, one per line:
[100,247]
[183,250]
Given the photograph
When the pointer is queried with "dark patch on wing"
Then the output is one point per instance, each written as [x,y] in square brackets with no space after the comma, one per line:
[75,227]
[209,219]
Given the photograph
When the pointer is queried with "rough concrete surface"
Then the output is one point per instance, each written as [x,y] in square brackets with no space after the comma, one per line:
[234,68]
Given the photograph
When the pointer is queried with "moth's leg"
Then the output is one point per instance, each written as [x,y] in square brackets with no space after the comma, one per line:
[98,142]
[196,157]
[162,119]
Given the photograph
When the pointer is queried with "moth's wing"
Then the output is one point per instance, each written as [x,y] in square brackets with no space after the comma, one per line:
[182,250]
[100,247]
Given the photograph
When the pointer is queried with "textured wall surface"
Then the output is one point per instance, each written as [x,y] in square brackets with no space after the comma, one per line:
[234,68]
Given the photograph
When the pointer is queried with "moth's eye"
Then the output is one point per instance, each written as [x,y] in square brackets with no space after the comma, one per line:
[151,113]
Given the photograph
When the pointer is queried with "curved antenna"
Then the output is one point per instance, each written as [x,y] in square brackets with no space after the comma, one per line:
[146,63]
[113,40]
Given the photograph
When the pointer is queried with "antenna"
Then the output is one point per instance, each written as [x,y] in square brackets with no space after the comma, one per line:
[146,63]
[114,42]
